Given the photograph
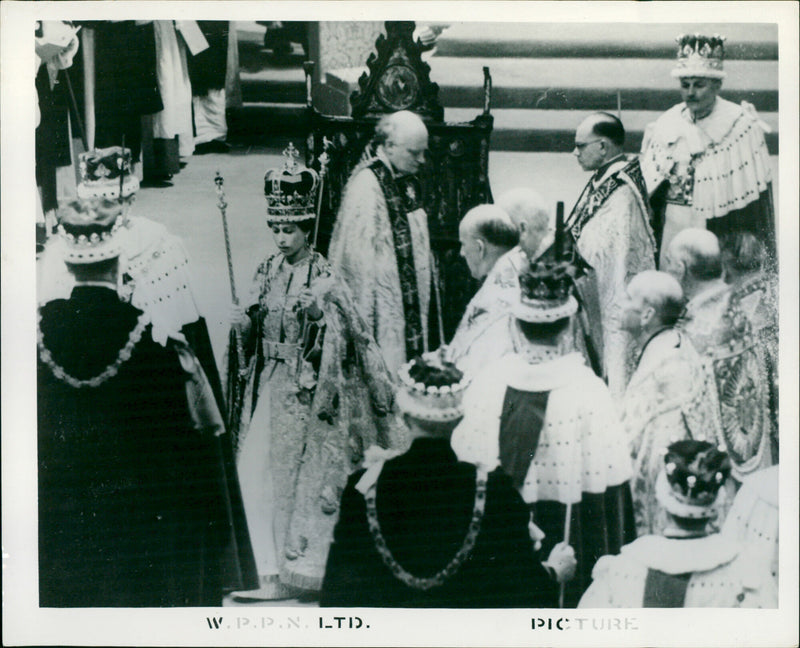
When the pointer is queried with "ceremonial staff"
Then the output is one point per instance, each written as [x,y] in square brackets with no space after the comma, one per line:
[237,367]
[223,207]
[323,169]
[307,344]
[567,523]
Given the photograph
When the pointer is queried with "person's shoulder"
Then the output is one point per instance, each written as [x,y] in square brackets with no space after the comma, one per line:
[362,176]
[587,385]
[742,117]
[269,263]
[322,264]
[726,108]
[53,308]
[670,115]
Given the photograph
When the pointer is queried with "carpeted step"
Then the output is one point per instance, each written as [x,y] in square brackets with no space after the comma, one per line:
[577,84]
[262,122]
[600,40]
[553,131]
[550,131]
[274,85]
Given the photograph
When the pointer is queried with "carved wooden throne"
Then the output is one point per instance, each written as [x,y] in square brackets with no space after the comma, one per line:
[455,178]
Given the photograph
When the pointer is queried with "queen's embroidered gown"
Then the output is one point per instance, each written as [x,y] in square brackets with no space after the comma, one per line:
[302,418]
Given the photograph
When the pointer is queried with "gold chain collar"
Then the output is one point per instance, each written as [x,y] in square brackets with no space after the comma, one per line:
[461,555]
[109,372]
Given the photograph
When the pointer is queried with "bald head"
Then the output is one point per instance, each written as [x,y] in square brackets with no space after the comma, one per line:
[404,138]
[662,292]
[529,213]
[486,233]
[693,256]
[399,123]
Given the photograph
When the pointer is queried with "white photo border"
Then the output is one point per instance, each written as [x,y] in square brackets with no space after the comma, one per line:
[26,624]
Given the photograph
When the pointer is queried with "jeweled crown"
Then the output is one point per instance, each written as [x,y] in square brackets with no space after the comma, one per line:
[546,292]
[695,471]
[291,191]
[89,236]
[700,56]
[431,389]
[106,173]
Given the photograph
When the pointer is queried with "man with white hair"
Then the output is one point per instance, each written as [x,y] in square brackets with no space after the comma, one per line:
[668,397]
[693,258]
[380,243]
[532,218]
[488,242]
[736,357]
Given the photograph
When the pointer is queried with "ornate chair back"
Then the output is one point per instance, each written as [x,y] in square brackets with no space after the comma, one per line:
[455,177]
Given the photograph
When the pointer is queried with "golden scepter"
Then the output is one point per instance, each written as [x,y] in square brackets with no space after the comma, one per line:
[306,344]
[235,391]
[222,204]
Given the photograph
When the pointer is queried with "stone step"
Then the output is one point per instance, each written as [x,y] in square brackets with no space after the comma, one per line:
[265,122]
[579,84]
[600,40]
[545,131]
[553,131]
[268,87]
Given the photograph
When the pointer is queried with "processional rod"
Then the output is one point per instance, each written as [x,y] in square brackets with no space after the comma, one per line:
[222,204]
[558,244]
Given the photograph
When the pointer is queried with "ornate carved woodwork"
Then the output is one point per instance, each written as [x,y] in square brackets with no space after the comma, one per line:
[455,177]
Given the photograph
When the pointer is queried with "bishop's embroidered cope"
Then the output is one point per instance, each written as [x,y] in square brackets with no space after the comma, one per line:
[593,196]
[402,197]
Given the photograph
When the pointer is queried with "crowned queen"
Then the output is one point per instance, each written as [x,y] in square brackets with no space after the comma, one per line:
[307,386]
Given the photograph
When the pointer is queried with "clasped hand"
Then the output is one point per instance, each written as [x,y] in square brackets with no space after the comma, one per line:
[562,561]
[238,316]
[307,300]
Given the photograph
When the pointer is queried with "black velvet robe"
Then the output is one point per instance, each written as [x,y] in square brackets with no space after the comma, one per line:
[132,499]
[424,501]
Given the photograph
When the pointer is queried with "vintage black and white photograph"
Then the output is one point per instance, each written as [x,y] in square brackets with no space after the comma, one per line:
[461,324]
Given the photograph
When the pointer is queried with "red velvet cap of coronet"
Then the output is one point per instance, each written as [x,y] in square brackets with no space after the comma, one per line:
[546,293]
[100,171]
[691,481]
[431,390]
